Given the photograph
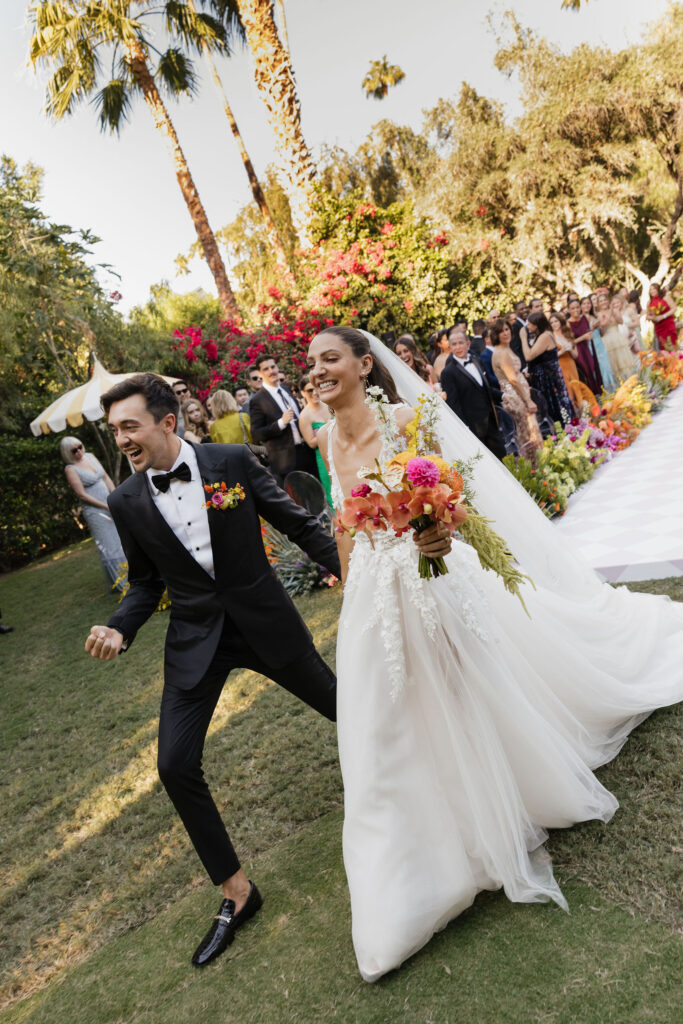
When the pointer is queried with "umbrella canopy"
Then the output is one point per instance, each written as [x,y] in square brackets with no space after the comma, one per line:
[79,403]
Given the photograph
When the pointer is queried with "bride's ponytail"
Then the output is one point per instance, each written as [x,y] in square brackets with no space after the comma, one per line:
[379,376]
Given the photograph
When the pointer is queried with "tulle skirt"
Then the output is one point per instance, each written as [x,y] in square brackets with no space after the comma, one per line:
[466,728]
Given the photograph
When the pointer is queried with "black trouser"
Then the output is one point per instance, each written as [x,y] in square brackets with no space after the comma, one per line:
[184,722]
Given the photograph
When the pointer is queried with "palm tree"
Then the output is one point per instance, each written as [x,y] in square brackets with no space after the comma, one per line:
[233,28]
[74,37]
[381,76]
[275,80]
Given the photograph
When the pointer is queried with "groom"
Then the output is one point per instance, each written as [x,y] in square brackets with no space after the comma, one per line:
[228,609]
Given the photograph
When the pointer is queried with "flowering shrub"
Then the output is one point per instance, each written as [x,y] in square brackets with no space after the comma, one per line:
[222,361]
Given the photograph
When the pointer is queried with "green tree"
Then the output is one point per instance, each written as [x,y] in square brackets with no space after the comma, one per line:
[381,77]
[80,39]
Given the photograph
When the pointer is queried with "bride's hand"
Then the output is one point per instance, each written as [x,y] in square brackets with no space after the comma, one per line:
[434,542]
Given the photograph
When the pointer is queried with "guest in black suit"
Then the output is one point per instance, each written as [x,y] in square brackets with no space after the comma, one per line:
[485,360]
[274,413]
[477,340]
[469,395]
[228,609]
[520,321]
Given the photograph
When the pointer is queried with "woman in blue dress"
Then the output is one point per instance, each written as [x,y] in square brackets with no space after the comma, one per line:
[92,485]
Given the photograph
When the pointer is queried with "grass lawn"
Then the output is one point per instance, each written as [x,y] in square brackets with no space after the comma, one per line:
[103,900]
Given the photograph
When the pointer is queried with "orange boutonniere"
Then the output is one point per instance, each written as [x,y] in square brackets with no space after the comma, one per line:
[222,496]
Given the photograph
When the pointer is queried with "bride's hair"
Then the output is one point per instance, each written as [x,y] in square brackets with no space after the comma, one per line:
[379,376]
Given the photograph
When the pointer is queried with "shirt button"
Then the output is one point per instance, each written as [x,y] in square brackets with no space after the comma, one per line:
[196,549]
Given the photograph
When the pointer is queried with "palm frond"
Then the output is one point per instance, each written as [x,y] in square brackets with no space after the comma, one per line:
[227,12]
[195,29]
[113,103]
[176,72]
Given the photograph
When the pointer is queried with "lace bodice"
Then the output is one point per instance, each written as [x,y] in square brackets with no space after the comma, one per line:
[391,563]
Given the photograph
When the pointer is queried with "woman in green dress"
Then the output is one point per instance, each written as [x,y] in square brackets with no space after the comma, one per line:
[314,415]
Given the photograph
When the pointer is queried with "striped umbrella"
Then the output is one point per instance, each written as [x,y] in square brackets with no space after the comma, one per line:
[79,403]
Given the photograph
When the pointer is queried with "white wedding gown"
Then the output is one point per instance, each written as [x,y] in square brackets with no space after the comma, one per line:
[466,728]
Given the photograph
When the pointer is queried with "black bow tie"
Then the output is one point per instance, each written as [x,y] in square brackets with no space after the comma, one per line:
[163,480]
[467,361]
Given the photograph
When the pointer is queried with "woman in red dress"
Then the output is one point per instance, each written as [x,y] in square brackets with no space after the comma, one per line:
[660,311]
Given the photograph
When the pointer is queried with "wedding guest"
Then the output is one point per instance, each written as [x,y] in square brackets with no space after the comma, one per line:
[242,398]
[406,349]
[616,340]
[632,314]
[566,347]
[441,360]
[545,374]
[535,306]
[439,344]
[660,312]
[182,393]
[477,340]
[520,322]
[255,384]
[274,416]
[588,310]
[315,415]
[517,400]
[583,336]
[469,396]
[602,325]
[196,421]
[230,425]
[91,484]
[493,316]
[486,361]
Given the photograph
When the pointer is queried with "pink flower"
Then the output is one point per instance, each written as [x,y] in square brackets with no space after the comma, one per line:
[361,491]
[211,350]
[422,473]
[217,499]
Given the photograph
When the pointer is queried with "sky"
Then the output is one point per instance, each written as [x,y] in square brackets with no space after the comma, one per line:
[124,188]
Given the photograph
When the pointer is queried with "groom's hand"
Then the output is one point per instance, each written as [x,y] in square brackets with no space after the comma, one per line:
[435,541]
[104,643]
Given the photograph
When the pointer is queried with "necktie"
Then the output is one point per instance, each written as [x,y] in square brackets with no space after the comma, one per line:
[162,481]
[287,404]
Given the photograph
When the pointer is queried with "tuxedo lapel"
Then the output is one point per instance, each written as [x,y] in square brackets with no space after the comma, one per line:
[211,472]
[459,368]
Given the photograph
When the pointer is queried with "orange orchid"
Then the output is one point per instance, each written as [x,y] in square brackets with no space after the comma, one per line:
[366,513]
[448,508]
[400,514]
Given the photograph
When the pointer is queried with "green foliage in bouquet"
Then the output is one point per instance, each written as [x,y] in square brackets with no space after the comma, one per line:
[295,570]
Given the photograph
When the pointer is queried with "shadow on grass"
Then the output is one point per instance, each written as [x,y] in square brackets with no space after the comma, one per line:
[87,830]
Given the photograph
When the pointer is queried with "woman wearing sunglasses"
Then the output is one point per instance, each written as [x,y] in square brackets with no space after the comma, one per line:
[91,484]
[313,416]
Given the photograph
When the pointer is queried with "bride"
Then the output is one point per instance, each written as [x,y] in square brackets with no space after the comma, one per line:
[466,727]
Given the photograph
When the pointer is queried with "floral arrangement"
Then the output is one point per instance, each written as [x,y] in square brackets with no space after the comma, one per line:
[298,573]
[421,488]
[222,496]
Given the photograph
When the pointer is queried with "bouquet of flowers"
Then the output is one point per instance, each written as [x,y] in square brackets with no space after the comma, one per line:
[421,488]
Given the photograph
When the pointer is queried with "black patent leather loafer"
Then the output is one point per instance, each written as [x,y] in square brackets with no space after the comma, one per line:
[225,924]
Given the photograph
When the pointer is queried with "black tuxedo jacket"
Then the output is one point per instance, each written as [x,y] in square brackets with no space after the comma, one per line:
[264,413]
[472,402]
[245,584]
[516,341]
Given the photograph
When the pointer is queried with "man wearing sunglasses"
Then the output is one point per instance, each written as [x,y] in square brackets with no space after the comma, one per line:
[182,393]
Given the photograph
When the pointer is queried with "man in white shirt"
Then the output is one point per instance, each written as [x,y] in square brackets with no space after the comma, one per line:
[469,395]
[274,415]
[228,609]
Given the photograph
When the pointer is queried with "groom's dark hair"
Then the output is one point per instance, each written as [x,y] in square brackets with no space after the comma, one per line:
[159,396]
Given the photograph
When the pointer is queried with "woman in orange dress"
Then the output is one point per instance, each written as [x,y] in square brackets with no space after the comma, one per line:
[566,347]
[660,311]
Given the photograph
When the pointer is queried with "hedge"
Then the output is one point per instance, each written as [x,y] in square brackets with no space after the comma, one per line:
[39,512]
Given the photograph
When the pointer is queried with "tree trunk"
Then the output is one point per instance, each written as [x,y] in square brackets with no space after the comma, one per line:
[139,68]
[274,78]
[283,25]
[257,192]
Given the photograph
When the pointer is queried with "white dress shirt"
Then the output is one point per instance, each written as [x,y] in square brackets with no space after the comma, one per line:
[183,506]
[472,369]
[285,403]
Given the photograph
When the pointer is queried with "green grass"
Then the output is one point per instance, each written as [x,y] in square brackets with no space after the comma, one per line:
[102,899]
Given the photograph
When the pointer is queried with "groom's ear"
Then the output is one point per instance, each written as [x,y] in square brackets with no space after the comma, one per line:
[169,423]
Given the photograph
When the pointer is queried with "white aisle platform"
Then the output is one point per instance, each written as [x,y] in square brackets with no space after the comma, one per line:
[628,520]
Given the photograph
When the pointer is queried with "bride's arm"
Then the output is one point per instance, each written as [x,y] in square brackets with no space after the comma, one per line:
[344,541]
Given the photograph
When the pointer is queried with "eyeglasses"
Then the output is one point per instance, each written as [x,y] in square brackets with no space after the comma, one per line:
[78,448]
[182,391]
[255,380]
